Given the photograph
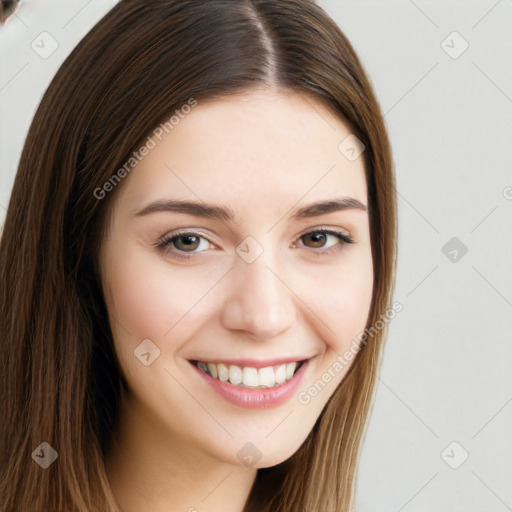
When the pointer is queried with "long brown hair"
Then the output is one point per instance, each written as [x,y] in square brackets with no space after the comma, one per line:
[60,382]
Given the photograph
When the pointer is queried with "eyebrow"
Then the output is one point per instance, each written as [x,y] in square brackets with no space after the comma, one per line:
[225,213]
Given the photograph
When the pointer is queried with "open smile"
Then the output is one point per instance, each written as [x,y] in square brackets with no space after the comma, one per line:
[253,384]
[250,376]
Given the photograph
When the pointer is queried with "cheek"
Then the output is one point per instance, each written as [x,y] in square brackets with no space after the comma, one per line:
[149,298]
[345,303]
[139,301]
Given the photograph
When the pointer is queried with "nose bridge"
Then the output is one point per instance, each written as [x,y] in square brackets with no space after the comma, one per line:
[258,302]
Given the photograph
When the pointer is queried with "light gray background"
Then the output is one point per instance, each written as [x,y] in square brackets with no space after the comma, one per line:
[446,374]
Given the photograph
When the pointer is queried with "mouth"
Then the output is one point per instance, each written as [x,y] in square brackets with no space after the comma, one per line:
[250,377]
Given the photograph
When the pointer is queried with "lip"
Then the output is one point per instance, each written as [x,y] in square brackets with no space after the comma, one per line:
[256,398]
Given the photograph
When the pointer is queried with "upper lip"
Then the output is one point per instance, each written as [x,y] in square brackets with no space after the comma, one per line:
[253,363]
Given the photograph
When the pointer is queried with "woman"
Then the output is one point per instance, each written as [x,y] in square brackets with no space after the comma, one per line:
[199,244]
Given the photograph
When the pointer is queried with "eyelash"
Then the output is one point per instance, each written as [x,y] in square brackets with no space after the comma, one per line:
[165,243]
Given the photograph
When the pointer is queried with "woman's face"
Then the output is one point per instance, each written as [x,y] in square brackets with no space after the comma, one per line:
[216,270]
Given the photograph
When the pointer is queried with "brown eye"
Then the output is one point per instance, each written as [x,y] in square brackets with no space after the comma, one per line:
[186,242]
[325,239]
[317,239]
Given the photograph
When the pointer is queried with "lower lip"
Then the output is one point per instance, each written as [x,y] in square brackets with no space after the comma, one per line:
[256,398]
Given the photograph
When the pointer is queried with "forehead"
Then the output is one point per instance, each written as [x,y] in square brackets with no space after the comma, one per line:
[259,148]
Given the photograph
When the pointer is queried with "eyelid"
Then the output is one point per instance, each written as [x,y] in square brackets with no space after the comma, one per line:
[164,241]
[329,230]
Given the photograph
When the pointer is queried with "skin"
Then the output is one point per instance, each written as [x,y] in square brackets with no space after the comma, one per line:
[263,153]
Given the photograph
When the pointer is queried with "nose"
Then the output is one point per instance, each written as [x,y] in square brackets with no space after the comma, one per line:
[258,303]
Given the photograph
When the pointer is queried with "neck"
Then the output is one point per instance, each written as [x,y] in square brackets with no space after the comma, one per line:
[151,470]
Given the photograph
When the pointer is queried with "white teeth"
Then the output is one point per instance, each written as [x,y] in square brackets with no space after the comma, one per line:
[281,374]
[222,370]
[266,377]
[248,376]
[235,374]
[290,370]
[212,368]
